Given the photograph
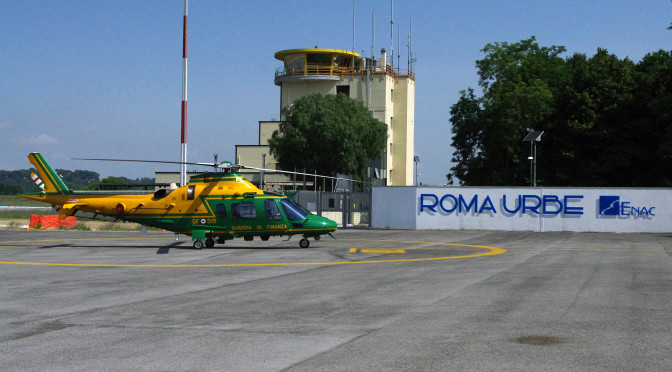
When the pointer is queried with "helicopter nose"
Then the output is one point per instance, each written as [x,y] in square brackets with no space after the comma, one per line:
[322,223]
[329,224]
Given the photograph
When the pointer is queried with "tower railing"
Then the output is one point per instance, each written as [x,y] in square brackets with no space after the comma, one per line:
[332,71]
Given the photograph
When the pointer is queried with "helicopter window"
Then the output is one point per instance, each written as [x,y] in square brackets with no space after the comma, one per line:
[244,210]
[293,211]
[272,210]
[221,210]
[191,191]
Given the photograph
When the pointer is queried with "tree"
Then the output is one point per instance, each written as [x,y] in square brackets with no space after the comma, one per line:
[654,104]
[118,181]
[468,139]
[10,189]
[328,133]
[78,179]
[607,120]
[519,83]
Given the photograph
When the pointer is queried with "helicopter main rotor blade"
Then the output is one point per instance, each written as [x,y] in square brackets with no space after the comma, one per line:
[225,165]
[220,165]
[299,173]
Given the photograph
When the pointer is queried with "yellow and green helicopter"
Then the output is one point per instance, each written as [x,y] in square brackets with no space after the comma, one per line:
[212,208]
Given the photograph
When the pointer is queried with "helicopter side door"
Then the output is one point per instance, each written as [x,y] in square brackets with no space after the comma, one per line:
[220,213]
[275,224]
[245,218]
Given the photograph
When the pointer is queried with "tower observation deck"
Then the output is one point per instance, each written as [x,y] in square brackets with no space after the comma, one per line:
[328,64]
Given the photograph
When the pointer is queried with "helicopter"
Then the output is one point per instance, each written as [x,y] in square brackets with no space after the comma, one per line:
[212,208]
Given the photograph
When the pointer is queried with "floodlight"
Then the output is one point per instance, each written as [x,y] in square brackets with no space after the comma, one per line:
[533,137]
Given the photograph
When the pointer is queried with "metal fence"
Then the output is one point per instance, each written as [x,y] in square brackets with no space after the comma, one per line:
[346,208]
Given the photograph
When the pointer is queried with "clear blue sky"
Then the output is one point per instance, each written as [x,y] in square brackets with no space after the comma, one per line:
[104,78]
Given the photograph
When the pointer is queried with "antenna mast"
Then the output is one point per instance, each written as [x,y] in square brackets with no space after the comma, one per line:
[353,34]
[398,47]
[183,166]
[410,45]
[392,35]
[373,32]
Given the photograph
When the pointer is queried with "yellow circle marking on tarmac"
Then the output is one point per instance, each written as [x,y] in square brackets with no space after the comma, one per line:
[491,251]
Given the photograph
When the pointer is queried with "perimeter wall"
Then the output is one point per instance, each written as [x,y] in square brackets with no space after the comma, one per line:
[523,209]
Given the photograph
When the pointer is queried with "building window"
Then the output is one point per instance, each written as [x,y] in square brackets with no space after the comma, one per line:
[343,89]
[320,59]
[295,63]
[392,95]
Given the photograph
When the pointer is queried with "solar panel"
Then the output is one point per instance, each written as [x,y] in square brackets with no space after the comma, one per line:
[534,136]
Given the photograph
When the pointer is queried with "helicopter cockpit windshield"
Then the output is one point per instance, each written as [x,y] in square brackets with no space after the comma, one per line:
[294,211]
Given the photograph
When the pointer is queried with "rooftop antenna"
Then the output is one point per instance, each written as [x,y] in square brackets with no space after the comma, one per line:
[370,65]
[411,60]
[392,35]
[373,32]
[183,166]
[353,34]
[398,47]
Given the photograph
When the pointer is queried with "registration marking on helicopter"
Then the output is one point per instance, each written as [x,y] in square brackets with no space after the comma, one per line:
[490,251]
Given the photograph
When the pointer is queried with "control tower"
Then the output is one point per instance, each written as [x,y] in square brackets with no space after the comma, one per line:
[389,94]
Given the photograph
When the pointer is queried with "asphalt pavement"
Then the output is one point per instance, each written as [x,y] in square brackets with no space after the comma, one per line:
[372,300]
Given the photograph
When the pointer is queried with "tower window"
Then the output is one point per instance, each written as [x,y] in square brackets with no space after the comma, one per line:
[343,89]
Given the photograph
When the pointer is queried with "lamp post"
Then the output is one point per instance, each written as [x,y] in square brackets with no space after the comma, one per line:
[533,137]
[416,160]
[263,166]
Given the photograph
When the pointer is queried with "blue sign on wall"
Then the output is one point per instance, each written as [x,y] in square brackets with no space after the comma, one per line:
[523,209]
[524,204]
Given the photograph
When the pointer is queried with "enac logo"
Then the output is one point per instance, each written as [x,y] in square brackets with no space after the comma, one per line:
[611,205]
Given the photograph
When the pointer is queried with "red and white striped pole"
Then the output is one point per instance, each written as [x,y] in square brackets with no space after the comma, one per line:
[183,166]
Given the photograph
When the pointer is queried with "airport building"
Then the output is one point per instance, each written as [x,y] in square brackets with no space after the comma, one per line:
[388,93]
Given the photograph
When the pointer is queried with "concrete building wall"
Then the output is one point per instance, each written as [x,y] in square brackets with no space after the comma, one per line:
[403,128]
[252,155]
[290,91]
[266,129]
